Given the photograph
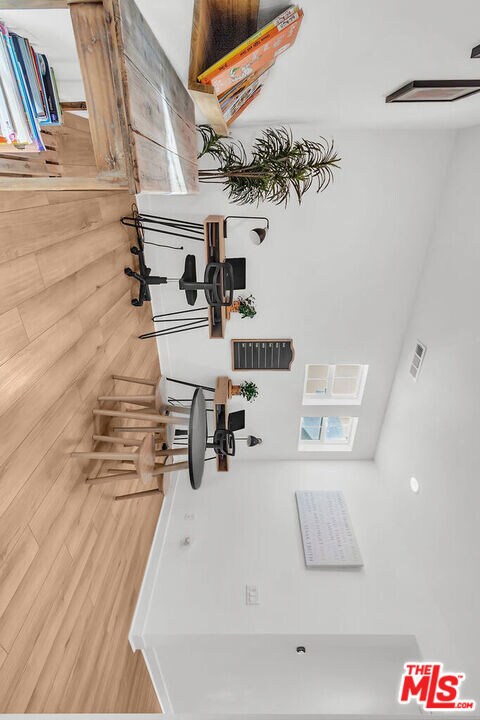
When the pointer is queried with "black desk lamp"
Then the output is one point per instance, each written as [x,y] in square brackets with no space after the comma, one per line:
[252,440]
[258,235]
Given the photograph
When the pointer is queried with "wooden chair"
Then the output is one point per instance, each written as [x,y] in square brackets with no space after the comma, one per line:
[157,399]
[146,463]
[153,406]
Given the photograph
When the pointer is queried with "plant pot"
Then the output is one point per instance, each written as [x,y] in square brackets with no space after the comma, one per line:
[233,389]
[234,307]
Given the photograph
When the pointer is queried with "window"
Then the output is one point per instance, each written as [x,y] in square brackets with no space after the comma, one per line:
[334,384]
[330,433]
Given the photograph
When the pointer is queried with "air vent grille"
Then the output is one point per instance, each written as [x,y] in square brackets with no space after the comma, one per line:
[417,360]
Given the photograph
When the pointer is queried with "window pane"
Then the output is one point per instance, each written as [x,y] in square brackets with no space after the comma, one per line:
[317,371]
[317,386]
[338,429]
[311,428]
[345,386]
[347,371]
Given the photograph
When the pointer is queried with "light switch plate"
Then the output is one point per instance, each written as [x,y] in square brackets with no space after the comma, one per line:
[251,595]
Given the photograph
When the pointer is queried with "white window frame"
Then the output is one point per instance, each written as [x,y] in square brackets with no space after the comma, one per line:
[320,445]
[330,398]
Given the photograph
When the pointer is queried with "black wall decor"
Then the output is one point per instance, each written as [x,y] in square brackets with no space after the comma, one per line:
[262,354]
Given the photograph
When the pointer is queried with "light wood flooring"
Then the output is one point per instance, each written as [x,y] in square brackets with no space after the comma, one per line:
[71,560]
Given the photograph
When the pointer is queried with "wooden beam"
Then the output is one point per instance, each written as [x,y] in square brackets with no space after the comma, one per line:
[63,183]
[75,105]
[93,47]
[38,4]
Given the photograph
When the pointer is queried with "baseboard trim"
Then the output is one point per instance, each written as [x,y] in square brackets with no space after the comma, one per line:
[152,568]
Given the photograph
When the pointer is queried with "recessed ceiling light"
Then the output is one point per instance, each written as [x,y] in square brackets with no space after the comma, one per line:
[414,485]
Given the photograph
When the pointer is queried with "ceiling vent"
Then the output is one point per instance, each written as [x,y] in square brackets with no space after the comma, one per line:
[417,360]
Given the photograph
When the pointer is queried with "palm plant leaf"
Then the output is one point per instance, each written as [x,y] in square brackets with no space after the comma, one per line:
[278,166]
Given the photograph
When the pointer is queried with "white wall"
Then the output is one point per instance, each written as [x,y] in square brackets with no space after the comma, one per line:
[430,427]
[245,530]
[264,674]
[337,275]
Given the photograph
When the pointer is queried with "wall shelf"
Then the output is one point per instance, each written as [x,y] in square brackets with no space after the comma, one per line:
[218,26]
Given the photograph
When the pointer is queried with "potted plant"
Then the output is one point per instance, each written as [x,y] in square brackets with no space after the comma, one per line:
[277,168]
[244,306]
[246,389]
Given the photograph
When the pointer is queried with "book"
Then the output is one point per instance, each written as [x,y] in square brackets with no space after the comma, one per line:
[244,107]
[225,97]
[257,58]
[28,95]
[21,134]
[22,51]
[255,40]
[57,98]
[241,99]
[7,130]
[45,115]
[24,93]
[48,83]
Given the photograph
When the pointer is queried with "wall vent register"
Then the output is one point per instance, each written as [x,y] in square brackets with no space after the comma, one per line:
[417,360]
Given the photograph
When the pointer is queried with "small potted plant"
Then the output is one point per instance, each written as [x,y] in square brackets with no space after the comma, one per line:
[246,389]
[244,306]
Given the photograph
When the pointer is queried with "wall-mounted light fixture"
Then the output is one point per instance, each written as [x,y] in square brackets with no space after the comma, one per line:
[257,234]
[251,440]
[414,485]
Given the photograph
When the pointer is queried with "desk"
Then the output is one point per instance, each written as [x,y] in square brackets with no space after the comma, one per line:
[197,438]
[213,229]
[220,415]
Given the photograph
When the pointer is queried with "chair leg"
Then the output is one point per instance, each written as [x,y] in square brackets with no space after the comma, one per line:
[140,381]
[122,470]
[171,453]
[189,384]
[105,455]
[111,439]
[177,408]
[143,428]
[102,479]
[132,399]
[170,468]
[153,417]
[142,493]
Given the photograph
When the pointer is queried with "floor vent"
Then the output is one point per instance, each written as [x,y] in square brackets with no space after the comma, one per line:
[417,361]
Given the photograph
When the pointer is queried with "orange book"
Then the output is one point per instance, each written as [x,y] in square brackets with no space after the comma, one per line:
[261,36]
[258,57]
[226,97]
[244,106]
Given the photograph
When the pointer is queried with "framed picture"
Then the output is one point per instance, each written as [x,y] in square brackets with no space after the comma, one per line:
[434,91]
[262,354]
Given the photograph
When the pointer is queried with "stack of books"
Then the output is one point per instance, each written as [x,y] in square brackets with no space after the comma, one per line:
[28,95]
[238,76]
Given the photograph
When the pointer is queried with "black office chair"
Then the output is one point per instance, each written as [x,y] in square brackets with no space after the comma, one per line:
[223,442]
[218,282]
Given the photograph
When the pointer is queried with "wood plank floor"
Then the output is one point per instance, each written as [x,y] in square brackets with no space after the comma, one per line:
[71,560]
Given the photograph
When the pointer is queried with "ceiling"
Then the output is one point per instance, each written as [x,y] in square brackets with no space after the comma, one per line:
[348,56]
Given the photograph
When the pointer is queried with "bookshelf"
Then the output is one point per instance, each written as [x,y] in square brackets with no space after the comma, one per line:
[134,100]
[217,27]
